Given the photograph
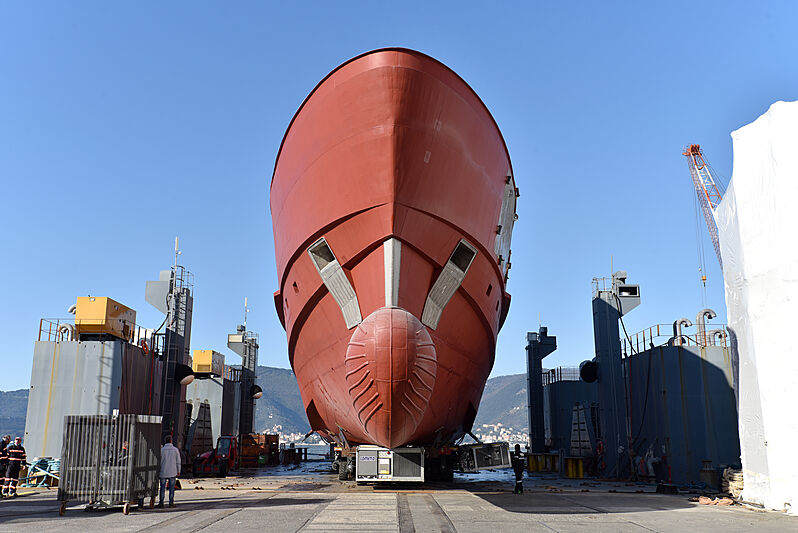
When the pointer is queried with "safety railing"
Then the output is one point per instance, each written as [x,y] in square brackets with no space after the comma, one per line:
[66,329]
[232,373]
[601,284]
[562,373]
[663,335]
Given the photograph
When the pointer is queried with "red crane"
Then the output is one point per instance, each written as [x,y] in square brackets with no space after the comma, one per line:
[708,191]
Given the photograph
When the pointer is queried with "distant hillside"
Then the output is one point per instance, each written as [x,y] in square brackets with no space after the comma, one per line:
[281,403]
[504,401]
[13,409]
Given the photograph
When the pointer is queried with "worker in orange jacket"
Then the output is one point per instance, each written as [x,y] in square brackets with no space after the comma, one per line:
[3,461]
[16,460]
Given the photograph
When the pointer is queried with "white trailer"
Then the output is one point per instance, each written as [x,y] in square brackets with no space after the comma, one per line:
[371,463]
[374,463]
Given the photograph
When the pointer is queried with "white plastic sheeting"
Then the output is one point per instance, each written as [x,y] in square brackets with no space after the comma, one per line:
[758,226]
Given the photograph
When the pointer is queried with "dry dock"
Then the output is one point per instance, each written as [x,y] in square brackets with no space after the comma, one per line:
[303,500]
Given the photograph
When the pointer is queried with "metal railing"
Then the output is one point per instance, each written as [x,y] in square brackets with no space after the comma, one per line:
[601,284]
[561,373]
[232,373]
[662,335]
[66,329]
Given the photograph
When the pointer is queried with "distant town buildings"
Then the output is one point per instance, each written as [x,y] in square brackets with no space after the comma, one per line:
[501,433]
[296,438]
[486,433]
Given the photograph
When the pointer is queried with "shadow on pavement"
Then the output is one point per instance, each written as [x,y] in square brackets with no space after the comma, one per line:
[40,507]
[584,503]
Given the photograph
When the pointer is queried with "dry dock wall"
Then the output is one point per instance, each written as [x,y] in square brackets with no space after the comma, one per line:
[682,409]
[757,225]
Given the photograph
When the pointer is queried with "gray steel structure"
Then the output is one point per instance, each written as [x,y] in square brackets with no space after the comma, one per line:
[172,294]
[609,305]
[110,460]
[245,344]
[85,378]
[220,398]
[210,393]
[538,346]
[231,404]
[559,398]
[682,410]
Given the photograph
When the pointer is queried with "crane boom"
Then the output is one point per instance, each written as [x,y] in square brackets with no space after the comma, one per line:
[708,192]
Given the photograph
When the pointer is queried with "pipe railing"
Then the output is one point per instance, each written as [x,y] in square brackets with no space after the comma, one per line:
[662,335]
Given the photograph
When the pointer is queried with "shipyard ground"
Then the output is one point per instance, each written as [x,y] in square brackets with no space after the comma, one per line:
[308,499]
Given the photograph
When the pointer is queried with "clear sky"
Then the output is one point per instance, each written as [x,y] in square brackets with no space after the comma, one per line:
[124,125]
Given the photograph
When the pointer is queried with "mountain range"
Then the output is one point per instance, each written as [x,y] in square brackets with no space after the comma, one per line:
[503,401]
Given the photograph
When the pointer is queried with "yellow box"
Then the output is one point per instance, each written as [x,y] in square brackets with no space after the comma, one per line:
[208,362]
[102,315]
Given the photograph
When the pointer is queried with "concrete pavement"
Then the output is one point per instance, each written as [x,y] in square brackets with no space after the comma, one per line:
[308,500]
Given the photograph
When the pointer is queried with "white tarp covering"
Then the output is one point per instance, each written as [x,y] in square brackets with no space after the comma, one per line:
[758,227]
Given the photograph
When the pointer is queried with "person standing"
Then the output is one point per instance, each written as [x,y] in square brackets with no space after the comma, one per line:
[517,461]
[16,459]
[170,469]
[4,463]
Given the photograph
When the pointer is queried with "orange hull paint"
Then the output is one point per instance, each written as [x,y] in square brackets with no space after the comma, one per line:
[391,145]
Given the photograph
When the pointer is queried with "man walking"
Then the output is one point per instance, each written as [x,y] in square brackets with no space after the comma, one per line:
[517,460]
[4,463]
[16,459]
[170,469]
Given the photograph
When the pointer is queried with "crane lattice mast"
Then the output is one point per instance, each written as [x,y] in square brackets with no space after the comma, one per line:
[708,192]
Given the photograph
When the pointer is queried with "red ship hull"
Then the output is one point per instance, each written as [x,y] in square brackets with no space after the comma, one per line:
[392,203]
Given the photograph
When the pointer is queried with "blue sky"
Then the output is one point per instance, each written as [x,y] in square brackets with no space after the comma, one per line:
[124,125]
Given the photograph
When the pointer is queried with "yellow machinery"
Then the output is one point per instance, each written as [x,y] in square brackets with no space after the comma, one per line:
[95,315]
[208,362]
[543,462]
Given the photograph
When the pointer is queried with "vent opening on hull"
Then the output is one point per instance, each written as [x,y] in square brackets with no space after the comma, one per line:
[462,256]
[321,254]
[334,278]
[449,280]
